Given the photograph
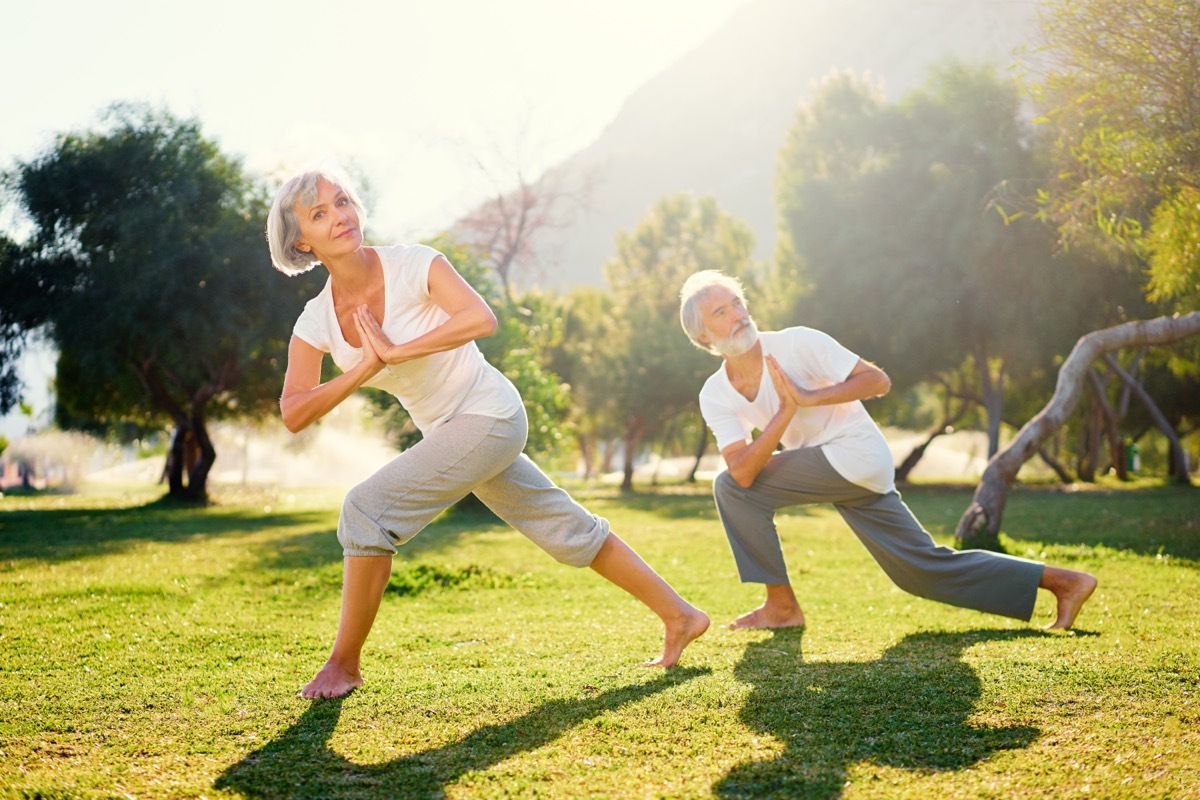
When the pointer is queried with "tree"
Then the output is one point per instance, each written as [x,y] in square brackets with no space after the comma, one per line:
[1120,97]
[890,214]
[660,372]
[14,327]
[587,361]
[979,526]
[506,232]
[146,265]
[1120,94]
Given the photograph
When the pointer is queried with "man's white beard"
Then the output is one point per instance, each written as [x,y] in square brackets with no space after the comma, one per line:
[738,342]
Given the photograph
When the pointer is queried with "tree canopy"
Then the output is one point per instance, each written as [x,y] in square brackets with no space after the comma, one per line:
[659,373]
[1121,87]
[890,212]
[147,268]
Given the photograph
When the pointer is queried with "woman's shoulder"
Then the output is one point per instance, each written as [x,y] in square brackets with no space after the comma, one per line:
[406,256]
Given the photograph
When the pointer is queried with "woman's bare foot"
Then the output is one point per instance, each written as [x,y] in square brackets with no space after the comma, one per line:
[769,616]
[1071,590]
[333,680]
[679,634]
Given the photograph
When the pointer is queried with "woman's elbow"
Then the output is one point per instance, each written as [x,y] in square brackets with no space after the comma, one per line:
[291,420]
[487,323]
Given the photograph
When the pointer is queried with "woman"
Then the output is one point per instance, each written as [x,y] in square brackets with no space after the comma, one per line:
[402,319]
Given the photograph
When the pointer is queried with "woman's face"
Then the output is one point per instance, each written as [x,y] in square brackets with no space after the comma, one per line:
[330,226]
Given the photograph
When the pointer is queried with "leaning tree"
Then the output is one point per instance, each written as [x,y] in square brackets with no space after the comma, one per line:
[145,266]
[1119,90]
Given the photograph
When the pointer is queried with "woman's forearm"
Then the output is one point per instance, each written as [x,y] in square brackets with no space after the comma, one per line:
[301,409]
[459,329]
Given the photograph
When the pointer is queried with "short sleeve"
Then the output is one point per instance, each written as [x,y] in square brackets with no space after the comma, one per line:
[727,427]
[412,269]
[311,327]
[826,356]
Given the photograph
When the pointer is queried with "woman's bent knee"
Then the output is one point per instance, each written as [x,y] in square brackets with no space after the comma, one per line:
[359,531]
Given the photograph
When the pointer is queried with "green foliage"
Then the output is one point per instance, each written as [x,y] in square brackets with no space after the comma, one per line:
[528,331]
[659,374]
[1121,98]
[903,222]
[494,672]
[587,359]
[146,265]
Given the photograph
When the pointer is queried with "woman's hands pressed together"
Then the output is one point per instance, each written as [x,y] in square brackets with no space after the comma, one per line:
[376,346]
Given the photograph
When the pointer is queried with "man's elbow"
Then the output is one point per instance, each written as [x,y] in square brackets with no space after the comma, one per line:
[885,384]
[742,478]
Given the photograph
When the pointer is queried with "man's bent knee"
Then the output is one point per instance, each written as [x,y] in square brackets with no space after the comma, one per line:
[725,488]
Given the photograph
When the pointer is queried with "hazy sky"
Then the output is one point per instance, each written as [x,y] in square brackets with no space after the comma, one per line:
[412,93]
[416,96]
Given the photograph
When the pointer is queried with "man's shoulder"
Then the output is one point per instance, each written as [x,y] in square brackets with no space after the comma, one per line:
[797,335]
[715,384]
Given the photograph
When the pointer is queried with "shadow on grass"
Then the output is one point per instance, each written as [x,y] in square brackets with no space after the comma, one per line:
[300,764]
[909,710]
[67,534]
[320,548]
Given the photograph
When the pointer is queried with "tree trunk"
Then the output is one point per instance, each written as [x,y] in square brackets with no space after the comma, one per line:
[980,523]
[174,469]
[1053,463]
[1108,417]
[1179,461]
[992,389]
[701,449]
[633,440]
[946,426]
[587,452]
[205,453]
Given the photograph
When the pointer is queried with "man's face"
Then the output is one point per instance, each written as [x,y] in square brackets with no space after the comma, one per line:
[730,330]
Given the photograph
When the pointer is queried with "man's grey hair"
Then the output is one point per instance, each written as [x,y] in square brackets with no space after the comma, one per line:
[283,227]
[695,289]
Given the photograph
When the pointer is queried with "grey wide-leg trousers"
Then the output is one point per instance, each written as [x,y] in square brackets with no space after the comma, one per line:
[976,579]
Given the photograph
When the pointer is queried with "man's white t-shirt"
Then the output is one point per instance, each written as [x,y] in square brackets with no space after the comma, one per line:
[845,432]
[434,388]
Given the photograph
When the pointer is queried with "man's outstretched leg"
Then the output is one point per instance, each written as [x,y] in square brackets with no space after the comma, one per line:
[362,590]
[1071,590]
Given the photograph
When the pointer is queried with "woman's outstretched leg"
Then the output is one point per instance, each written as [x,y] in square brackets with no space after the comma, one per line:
[682,621]
[365,578]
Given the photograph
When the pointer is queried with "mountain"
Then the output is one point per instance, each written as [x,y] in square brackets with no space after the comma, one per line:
[713,122]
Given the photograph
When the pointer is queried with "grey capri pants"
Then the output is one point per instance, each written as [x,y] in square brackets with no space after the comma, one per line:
[978,579]
[469,453]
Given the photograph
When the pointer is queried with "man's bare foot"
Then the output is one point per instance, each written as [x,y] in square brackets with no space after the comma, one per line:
[769,615]
[679,634]
[1071,589]
[333,680]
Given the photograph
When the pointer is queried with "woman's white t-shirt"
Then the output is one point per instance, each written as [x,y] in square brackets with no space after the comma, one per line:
[434,388]
[845,432]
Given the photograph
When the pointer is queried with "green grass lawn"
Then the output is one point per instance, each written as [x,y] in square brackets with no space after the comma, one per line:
[148,651]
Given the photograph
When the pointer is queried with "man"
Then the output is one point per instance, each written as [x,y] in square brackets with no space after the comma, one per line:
[803,392]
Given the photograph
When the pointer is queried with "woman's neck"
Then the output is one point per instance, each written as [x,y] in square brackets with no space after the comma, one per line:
[353,271]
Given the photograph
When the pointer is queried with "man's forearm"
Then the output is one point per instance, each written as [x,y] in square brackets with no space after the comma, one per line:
[745,465]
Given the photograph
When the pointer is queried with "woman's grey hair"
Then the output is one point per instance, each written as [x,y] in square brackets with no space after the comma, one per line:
[695,289]
[283,226]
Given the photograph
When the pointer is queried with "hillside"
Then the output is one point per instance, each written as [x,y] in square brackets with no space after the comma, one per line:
[713,122]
